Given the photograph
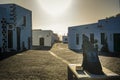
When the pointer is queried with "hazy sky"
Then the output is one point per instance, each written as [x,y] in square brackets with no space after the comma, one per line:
[58,15]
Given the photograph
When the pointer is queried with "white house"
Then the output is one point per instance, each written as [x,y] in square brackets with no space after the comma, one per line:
[106,31]
[65,39]
[42,38]
[55,37]
[16,28]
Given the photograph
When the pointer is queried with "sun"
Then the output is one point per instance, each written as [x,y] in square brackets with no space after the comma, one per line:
[55,7]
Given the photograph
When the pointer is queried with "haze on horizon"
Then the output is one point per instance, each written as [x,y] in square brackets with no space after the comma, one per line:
[58,15]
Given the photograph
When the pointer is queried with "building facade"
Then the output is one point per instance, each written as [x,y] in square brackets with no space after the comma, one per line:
[105,35]
[65,39]
[42,38]
[55,37]
[16,28]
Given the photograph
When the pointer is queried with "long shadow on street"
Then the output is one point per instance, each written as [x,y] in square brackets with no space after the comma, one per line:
[107,54]
[46,48]
[9,54]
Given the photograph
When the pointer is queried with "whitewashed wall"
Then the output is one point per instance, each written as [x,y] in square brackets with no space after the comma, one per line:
[46,34]
[17,21]
[109,27]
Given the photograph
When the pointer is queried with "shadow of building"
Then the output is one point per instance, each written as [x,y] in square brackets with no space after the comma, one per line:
[6,55]
[41,48]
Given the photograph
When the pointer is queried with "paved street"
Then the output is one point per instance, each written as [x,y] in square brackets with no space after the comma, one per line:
[47,64]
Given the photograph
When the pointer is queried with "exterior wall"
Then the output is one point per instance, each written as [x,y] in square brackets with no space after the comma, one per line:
[72,38]
[26,30]
[46,34]
[19,20]
[2,27]
[55,38]
[80,30]
[52,38]
[108,26]
[65,39]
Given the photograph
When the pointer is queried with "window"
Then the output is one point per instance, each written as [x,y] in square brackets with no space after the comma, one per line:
[11,18]
[77,39]
[10,39]
[92,38]
[102,38]
[24,20]
[10,26]
[65,39]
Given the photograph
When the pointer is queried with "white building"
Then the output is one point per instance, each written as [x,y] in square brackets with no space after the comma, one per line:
[105,31]
[15,28]
[65,39]
[55,37]
[42,38]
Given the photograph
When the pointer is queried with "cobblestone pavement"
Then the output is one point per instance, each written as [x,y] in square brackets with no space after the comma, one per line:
[42,65]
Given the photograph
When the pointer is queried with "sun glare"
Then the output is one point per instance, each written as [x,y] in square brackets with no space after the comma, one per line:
[55,7]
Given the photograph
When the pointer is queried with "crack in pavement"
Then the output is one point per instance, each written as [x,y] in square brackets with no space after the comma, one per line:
[63,60]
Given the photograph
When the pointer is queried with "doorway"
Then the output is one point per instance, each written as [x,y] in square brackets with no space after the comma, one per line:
[18,38]
[41,41]
[10,39]
[29,42]
[117,42]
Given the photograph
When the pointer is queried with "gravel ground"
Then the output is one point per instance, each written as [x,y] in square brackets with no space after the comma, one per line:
[112,63]
[32,65]
[41,65]
[62,50]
